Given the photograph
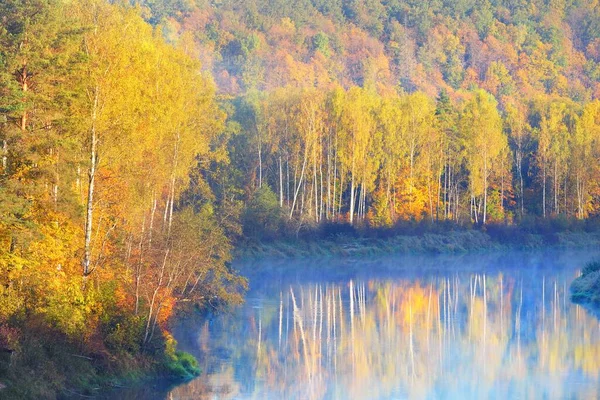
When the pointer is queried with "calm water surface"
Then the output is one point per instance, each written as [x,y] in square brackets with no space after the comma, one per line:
[455,327]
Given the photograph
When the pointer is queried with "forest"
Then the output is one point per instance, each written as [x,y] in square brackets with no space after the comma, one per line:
[141,142]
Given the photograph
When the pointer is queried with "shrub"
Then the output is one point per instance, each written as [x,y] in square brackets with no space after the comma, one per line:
[179,364]
[330,230]
[586,288]
[591,267]
[123,334]
[263,218]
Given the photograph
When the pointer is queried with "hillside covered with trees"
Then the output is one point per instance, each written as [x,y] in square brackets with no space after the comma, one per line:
[140,142]
[380,111]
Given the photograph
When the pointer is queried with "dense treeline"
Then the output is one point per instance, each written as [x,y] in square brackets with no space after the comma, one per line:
[356,155]
[383,111]
[102,122]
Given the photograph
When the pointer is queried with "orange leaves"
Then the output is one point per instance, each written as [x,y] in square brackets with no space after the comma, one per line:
[282,35]
[362,53]
[166,310]
[411,202]
[379,45]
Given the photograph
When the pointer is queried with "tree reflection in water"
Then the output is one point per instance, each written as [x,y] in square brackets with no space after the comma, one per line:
[500,334]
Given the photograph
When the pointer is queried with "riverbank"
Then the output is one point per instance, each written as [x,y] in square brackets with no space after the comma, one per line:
[585,289]
[452,242]
[46,367]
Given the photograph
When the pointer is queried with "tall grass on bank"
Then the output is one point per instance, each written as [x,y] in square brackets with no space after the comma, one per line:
[345,240]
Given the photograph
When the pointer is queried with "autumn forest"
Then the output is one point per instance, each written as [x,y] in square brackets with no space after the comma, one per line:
[142,142]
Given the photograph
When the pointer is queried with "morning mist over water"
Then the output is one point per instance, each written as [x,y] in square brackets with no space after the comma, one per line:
[454,327]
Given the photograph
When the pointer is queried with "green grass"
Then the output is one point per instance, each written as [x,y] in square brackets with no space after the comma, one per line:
[452,242]
[586,288]
[182,366]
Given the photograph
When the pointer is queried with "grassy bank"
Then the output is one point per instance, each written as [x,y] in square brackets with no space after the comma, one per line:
[586,289]
[427,242]
[47,366]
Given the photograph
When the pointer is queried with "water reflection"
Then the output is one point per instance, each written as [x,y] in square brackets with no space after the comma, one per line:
[500,332]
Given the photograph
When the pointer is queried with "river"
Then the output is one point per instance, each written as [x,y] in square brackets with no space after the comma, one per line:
[497,326]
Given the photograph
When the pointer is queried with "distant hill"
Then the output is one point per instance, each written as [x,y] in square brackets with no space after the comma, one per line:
[508,47]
